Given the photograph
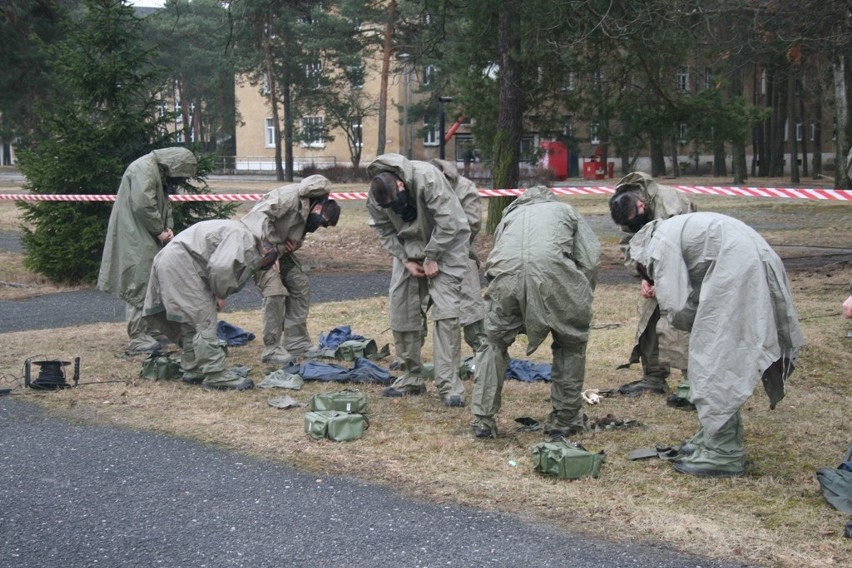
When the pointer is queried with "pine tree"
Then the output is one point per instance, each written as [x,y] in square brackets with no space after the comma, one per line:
[104,116]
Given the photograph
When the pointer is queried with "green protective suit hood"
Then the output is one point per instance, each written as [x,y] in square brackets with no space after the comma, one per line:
[281,215]
[176,162]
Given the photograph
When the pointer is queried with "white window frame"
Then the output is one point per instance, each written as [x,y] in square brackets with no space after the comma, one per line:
[268,133]
[432,136]
[358,128]
[683,79]
[305,126]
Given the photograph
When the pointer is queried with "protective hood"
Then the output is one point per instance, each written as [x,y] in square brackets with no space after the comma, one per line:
[177,162]
[451,172]
[397,164]
[282,214]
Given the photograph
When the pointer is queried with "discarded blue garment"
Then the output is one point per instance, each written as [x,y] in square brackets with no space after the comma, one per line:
[527,371]
[315,371]
[232,334]
[336,336]
[363,371]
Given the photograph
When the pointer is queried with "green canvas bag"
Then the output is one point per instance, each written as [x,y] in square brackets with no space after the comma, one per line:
[334,425]
[348,400]
[161,368]
[565,460]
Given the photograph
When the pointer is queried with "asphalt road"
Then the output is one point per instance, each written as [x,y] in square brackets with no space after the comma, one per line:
[76,495]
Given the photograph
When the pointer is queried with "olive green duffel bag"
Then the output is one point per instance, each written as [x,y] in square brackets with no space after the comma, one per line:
[348,400]
[335,425]
[566,460]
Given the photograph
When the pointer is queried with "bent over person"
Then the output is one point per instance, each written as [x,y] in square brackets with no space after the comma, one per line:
[715,277]
[637,200]
[422,225]
[285,215]
[541,276]
[190,279]
[140,224]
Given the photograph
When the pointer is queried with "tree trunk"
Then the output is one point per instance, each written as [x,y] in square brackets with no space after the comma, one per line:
[791,123]
[816,164]
[273,103]
[507,144]
[838,66]
[387,50]
[658,157]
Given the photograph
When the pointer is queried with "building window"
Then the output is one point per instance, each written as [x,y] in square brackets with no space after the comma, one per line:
[429,72]
[813,131]
[708,78]
[313,74]
[567,127]
[594,136]
[683,79]
[682,132]
[269,131]
[355,76]
[799,131]
[570,82]
[358,134]
[312,132]
[432,135]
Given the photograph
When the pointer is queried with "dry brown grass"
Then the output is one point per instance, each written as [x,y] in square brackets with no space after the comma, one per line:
[774,517]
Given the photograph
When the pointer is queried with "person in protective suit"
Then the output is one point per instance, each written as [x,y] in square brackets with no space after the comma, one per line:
[637,200]
[285,215]
[718,279]
[472,305]
[421,223]
[140,224]
[190,279]
[541,276]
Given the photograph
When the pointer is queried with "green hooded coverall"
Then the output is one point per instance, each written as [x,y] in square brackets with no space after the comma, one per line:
[658,346]
[717,278]
[208,261]
[541,276]
[141,212]
[281,216]
[441,233]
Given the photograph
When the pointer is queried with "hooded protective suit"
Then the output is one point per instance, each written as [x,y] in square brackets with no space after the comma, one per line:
[279,217]
[141,212]
[208,261]
[657,345]
[719,279]
[541,275]
[472,305]
[283,212]
[441,233]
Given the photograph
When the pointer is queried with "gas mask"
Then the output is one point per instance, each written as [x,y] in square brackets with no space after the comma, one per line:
[314,222]
[171,185]
[637,222]
[406,210]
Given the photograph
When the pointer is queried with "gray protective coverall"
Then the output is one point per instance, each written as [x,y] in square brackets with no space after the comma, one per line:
[208,261]
[282,215]
[719,279]
[541,275]
[472,304]
[440,233]
[658,345]
[141,212]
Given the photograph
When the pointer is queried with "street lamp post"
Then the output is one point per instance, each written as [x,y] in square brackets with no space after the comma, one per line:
[441,126]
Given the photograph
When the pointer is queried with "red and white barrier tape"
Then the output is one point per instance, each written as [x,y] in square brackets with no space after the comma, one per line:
[775,192]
